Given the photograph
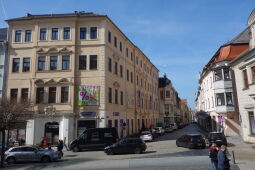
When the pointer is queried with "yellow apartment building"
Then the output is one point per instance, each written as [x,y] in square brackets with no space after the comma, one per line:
[79,71]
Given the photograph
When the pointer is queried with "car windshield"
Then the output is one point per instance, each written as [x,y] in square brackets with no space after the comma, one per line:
[197,137]
[216,135]
[146,133]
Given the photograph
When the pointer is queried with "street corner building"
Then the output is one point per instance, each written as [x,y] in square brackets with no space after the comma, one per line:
[216,100]
[79,71]
[244,69]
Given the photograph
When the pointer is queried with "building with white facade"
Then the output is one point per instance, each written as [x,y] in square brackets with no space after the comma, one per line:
[244,69]
[3,53]
[215,100]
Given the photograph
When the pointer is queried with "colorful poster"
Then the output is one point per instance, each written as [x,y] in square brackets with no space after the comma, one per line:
[88,95]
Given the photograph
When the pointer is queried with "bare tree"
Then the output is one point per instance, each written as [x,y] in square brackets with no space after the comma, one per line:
[11,113]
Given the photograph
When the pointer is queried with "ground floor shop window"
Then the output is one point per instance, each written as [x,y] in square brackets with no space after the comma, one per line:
[252,122]
[17,136]
[85,124]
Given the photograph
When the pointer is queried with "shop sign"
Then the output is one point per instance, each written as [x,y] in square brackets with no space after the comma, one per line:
[85,114]
[52,126]
[88,95]
[116,113]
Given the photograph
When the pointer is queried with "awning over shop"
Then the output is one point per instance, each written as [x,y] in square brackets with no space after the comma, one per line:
[203,116]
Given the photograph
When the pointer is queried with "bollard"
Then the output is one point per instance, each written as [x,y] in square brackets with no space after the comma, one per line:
[233,154]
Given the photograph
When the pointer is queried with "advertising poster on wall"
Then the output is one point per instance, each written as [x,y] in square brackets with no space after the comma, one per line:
[88,95]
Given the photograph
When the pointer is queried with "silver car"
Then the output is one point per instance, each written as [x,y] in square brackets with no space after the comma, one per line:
[31,153]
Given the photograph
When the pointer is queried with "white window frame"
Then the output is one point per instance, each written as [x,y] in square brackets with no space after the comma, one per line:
[40,34]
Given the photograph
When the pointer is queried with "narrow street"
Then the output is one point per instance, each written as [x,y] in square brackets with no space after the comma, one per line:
[161,154]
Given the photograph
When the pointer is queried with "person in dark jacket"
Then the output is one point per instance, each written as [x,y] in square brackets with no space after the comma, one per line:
[213,155]
[223,161]
[60,147]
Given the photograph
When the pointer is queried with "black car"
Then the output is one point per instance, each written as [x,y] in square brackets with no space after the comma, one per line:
[126,145]
[191,141]
[94,138]
[218,138]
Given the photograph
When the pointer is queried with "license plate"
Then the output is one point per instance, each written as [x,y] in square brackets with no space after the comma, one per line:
[218,140]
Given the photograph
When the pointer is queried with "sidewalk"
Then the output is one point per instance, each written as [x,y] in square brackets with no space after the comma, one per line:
[244,152]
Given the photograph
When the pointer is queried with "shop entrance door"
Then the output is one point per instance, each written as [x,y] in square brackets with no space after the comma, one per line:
[85,124]
[52,132]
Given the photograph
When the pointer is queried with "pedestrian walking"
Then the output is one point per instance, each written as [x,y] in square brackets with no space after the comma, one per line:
[223,161]
[213,155]
[60,146]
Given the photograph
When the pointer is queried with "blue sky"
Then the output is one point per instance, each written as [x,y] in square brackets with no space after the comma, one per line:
[179,36]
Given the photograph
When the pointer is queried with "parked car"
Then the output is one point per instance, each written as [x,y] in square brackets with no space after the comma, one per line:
[146,136]
[217,137]
[191,141]
[126,145]
[95,138]
[154,133]
[174,126]
[31,153]
[159,130]
[168,128]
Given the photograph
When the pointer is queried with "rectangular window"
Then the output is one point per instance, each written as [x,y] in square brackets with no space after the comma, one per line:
[110,95]
[93,62]
[121,98]
[116,124]
[115,42]
[121,46]
[110,65]
[65,62]
[53,62]
[66,35]
[24,95]
[40,95]
[253,74]
[83,33]
[127,75]
[26,64]
[131,77]
[245,79]
[226,74]
[167,109]
[41,63]
[64,94]
[14,95]
[43,33]
[54,34]
[52,94]
[109,123]
[93,33]
[82,62]
[220,99]
[109,37]
[167,94]
[218,75]
[18,36]
[252,122]
[15,65]
[116,96]
[121,71]
[229,98]
[115,68]
[28,35]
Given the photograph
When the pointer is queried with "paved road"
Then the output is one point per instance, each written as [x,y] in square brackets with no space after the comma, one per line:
[161,154]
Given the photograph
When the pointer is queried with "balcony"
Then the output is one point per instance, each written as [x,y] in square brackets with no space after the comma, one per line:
[225,109]
[222,84]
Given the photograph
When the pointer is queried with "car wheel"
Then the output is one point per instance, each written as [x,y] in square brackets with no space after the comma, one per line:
[11,160]
[76,149]
[137,151]
[110,152]
[45,159]
[177,144]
